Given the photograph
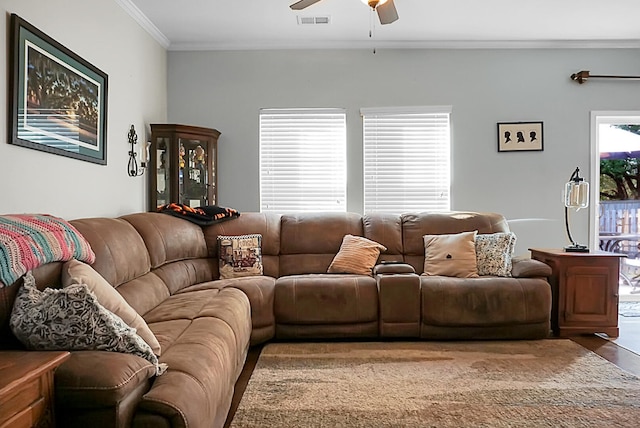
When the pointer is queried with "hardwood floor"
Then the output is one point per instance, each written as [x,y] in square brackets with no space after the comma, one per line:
[243,380]
[623,352]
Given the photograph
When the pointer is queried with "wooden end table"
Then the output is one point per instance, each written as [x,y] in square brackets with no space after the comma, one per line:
[26,388]
[585,291]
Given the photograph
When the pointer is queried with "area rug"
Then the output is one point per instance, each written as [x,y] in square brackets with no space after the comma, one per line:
[629,309]
[545,383]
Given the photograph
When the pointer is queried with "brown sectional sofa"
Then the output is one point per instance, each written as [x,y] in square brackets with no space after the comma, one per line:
[167,269]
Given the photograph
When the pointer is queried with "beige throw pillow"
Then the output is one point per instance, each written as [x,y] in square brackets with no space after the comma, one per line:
[451,255]
[76,272]
[357,255]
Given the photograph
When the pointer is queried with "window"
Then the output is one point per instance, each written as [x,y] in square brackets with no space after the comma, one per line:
[406,159]
[303,160]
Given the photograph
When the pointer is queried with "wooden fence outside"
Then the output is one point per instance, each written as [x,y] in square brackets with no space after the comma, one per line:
[619,216]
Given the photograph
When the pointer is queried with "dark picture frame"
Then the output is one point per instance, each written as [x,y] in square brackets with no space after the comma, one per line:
[58,101]
[520,137]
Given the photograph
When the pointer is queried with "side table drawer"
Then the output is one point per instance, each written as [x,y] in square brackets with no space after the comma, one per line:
[23,406]
[29,417]
[26,388]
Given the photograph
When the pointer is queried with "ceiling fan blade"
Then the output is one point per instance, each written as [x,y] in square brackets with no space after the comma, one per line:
[302,4]
[387,12]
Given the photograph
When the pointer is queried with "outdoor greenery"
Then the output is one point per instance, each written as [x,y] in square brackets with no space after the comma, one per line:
[620,178]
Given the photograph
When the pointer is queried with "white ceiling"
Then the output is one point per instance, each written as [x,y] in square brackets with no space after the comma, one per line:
[271,24]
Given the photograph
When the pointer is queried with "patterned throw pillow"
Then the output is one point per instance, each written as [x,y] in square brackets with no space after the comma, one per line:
[240,256]
[72,319]
[76,272]
[451,255]
[494,252]
[357,255]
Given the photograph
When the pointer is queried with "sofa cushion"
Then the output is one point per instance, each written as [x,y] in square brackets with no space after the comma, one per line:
[260,291]
[72,319]
[450,255]
[326,299]
[484,301]
[310,241]
[80,384]
[121,254]
[357,255]
[387,230]
[76,272]
[494,252]
[175,315]
[205,336]
[240,256]
[167,238]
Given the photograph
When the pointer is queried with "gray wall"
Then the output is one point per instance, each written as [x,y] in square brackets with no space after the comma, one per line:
[102,33]
[226,89]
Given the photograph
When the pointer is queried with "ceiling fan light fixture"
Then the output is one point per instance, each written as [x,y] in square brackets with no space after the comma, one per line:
[374,3]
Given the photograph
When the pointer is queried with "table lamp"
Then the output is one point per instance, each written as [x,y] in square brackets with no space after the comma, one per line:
[576,195]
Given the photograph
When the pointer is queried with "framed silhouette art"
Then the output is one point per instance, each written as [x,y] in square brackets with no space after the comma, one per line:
[520,136]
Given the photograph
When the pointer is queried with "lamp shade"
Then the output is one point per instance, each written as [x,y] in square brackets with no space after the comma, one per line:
[576,194]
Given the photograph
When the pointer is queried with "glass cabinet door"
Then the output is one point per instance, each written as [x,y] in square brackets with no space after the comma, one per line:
[193,172]
[162,171]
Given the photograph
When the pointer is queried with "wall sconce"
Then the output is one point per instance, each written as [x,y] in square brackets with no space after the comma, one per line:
[132,167]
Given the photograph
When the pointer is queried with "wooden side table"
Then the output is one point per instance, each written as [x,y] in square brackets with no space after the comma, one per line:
[26,388]
[585,291]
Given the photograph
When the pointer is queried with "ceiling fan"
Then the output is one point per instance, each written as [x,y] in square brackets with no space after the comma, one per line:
[386,9]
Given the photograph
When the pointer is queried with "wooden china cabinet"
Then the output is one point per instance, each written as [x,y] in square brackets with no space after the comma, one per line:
[183,165]
[585,291]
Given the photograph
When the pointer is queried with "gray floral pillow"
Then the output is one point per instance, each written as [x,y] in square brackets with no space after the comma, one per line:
[72,319]
[494,252]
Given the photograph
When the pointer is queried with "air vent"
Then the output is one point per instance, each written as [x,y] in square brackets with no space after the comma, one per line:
[313,20]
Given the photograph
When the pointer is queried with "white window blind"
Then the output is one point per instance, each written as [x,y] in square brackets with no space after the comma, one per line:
[406,159]
[303,160]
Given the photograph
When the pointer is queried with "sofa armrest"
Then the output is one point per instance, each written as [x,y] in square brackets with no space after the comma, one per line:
[388,268]
[529,268]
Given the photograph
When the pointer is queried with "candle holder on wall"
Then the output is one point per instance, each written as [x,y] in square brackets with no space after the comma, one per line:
[133,168]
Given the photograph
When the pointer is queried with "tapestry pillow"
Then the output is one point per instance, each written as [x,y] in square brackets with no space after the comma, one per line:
[494,252]
[240,255]
[357,255]
[72,319]
[30,240]
[451,255]
[76,272]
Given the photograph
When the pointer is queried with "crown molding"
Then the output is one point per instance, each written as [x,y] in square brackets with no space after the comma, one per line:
[144,22]
[410,44]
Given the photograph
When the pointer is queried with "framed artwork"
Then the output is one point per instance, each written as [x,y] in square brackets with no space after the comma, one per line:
[58,101]
[520,136]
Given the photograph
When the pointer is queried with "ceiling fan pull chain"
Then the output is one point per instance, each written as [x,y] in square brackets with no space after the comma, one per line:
[372,28]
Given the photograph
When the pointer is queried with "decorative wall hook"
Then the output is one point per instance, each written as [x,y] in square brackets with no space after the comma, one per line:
[132,167]
[583,75]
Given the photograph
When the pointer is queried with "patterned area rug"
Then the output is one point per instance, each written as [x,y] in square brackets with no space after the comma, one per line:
[545,383]
[629,309]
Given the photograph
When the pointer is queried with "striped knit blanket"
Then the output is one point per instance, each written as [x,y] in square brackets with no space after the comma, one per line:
[28,241]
